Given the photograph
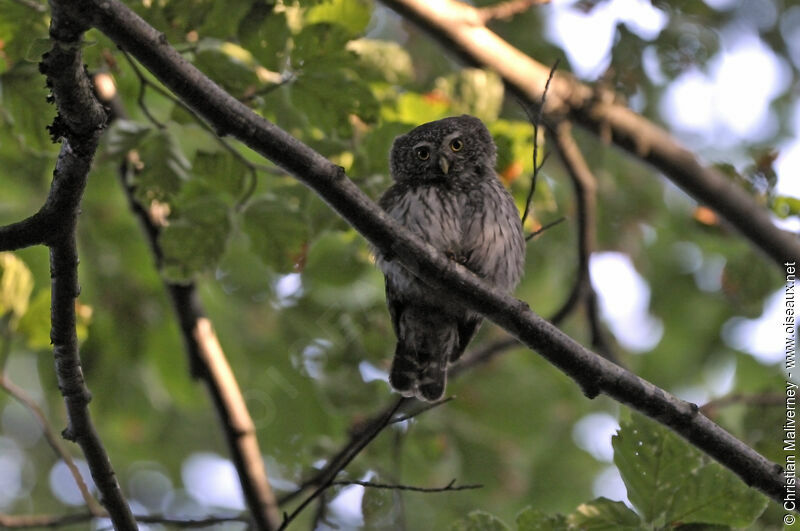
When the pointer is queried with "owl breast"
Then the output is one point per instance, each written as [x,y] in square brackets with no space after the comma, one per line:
[431,213]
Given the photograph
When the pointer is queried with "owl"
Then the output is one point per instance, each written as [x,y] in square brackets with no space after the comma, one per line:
[446,192]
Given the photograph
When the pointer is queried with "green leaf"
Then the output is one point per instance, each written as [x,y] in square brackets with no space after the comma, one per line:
[195,238]
[353,15]
[277,233]
[16,286]
[603,514]
[413,108]
[265,33]
[784,206]
[383,60]
[321,43]
[220,171]
[671,482]
[125,135]
[530,519]
[473,91]
[164,168]
[35,324]
[230,65]
[479,521]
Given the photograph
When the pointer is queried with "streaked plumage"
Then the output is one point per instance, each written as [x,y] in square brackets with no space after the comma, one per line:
[446,192]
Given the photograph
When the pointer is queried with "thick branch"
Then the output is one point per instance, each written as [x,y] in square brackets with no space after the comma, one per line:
[460,27]
[591,371]
[79,124]
[208,362]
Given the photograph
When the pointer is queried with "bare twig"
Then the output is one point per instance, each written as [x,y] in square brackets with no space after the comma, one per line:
[508,9]
[47,521]
[32,4]
[369,433]
[545,227]
[536,121]
[447,488]
[21,396]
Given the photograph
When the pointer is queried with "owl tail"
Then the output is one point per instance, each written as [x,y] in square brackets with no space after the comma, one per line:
[418,373]
[427,338]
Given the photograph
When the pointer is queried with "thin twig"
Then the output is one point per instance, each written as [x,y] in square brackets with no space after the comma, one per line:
[425,407]
[544,227]
[762,399]
[42,521]
[447,488]
[32,4]
[370,432]
[21,396]
[535,121]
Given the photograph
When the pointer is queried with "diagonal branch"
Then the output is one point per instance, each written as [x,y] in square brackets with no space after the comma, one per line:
[460,27]
[592,372]
[207,362]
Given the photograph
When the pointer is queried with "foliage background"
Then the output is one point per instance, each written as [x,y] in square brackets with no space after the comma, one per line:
[293,294]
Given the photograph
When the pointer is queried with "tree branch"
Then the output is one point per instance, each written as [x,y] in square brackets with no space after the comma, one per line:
[447,488]
[27,401]
[79,124]
[42,521]
[592,372]
[207,362]
[460,28]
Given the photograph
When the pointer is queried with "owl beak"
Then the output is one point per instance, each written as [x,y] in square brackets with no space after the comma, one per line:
[444,164]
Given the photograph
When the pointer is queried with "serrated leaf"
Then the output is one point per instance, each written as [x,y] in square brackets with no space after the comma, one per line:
[603,514]
[412,108]
[194,240]
[265,33]
[354,15]
[669,481]
[530,519]
[329,97]
[230,65]
[164,168]
[277,233]
[323,43]
[16,286]
[220,171]
[384,60]
[479,521]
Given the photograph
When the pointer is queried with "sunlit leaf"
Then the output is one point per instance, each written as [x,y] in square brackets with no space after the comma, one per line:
[16,286]
[352,14]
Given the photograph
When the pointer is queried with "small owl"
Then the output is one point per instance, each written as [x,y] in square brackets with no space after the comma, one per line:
[447,193]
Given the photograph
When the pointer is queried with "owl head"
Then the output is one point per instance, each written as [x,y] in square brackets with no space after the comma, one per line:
[456,148]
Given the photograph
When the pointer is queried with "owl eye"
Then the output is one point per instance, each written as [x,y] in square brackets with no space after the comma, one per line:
[423,153]
[456,144]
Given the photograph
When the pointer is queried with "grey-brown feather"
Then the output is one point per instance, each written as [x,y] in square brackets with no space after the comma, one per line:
[464,212]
